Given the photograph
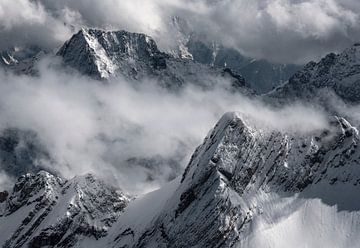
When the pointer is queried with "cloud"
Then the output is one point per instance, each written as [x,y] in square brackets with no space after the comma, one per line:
[6,182]
[28,23]
[280,30]
[138,136]
[292,31]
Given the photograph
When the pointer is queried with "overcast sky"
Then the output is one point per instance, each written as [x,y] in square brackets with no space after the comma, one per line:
[279,30]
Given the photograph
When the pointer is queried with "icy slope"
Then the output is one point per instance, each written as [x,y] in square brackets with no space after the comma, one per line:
[46,211]
[334,73]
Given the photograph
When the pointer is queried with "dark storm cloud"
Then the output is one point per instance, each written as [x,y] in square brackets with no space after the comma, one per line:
[279,30]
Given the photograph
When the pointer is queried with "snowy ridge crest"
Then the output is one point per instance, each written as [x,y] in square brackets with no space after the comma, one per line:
[335,73]
[45,210]
[223,189]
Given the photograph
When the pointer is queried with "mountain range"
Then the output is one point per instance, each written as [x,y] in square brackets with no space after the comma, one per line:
[100,54]
[246,185]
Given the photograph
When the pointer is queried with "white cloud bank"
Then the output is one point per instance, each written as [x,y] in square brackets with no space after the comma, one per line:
[92,126]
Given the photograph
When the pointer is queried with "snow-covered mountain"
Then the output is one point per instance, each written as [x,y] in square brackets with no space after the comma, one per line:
[43,210]
[104,54]
[248,187]
[335,73]
[245,186]
[101,54]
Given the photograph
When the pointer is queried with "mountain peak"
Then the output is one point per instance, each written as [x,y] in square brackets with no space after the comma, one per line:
[226,150]
[240,176]
[102,53]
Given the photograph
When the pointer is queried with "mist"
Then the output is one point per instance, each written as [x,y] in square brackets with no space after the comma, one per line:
[137,136]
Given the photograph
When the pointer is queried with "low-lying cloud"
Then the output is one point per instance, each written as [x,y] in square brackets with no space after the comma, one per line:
[138,136]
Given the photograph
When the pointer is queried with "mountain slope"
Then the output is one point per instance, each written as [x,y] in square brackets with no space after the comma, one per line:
[101,54]
[339,74]
[47,211]
[104,54]
[243,179]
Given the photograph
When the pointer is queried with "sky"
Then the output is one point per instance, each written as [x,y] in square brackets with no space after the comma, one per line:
[284,31]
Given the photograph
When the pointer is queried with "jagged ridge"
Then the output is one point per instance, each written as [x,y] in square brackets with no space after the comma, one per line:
[234,171]
[45,210]
[104,54]
[335,73]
